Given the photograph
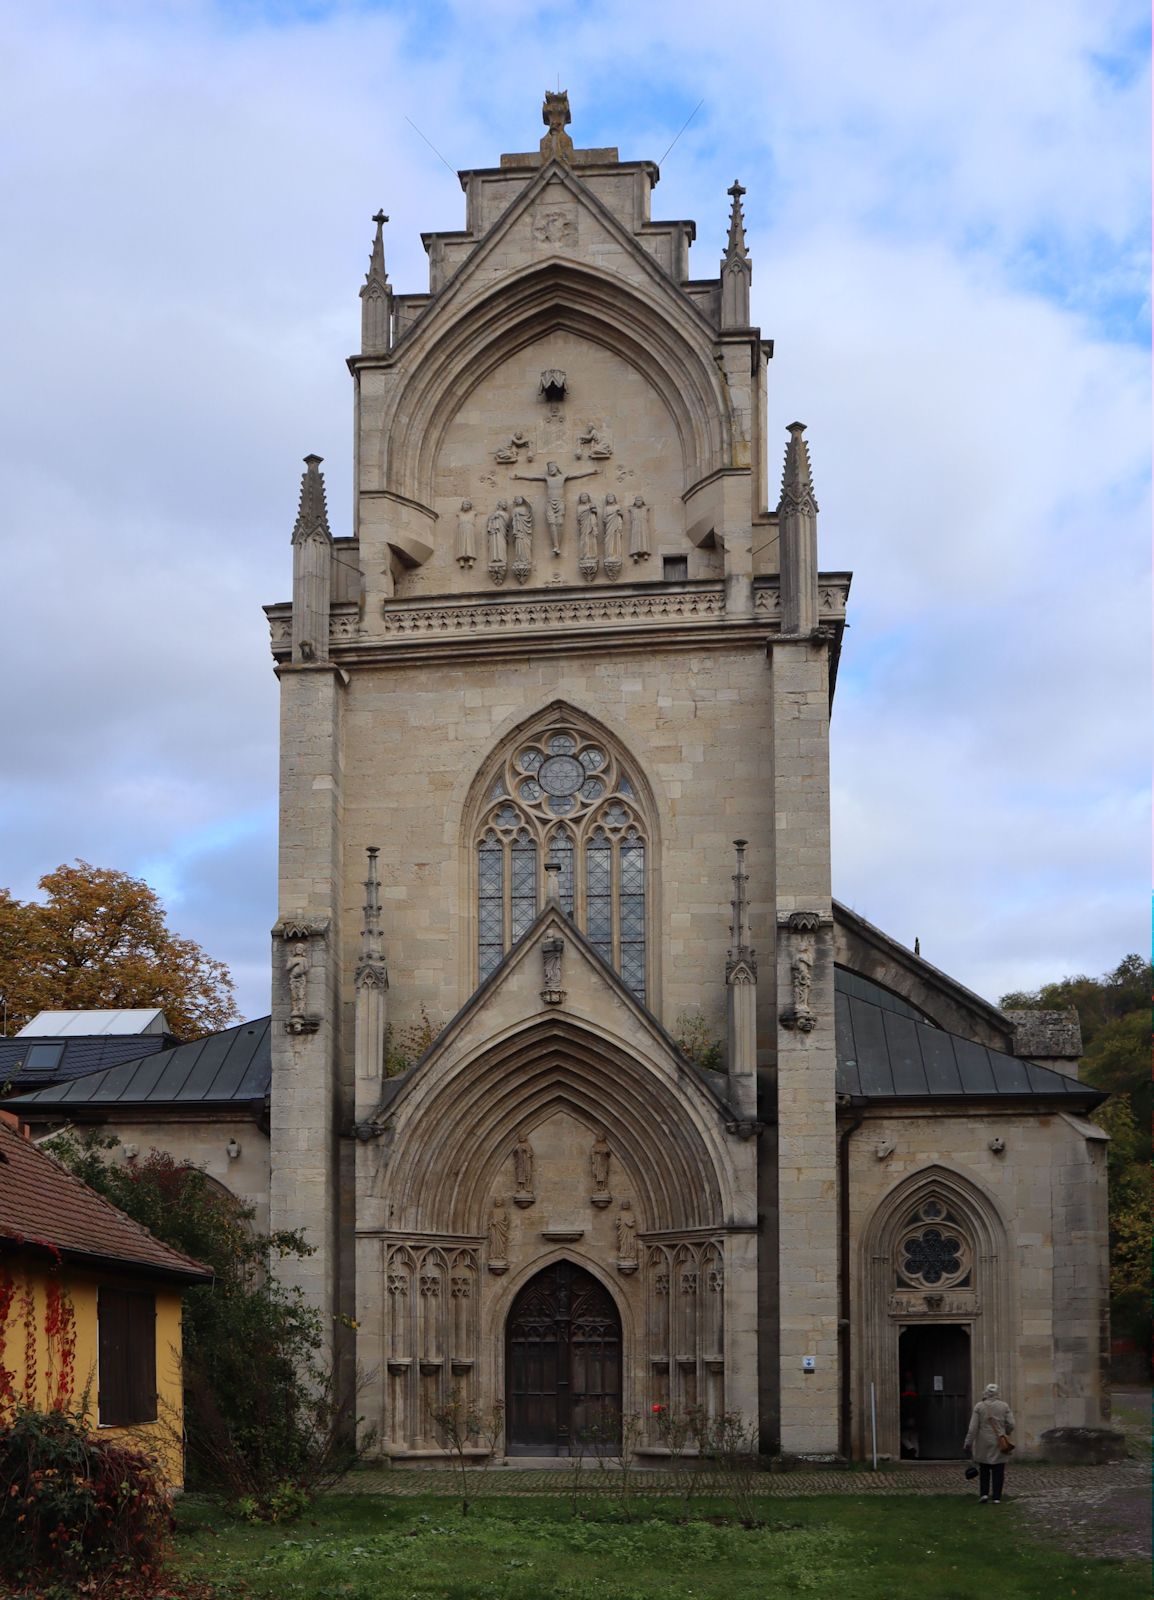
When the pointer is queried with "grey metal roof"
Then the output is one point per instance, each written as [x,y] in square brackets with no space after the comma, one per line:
[27,1062]
[235,1065]
[883,1055]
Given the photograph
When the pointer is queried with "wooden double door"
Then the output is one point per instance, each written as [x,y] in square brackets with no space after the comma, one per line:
[562,1365]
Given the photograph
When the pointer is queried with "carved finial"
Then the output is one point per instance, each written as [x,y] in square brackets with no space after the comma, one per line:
[553,882]
[371,967]
[917,945]
[555,114]
[741,951]
[797,479]
[376,297]
[736,267]
[312,514]
[735,249]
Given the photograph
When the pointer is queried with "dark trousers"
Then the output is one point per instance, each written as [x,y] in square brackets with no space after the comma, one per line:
[996,1473]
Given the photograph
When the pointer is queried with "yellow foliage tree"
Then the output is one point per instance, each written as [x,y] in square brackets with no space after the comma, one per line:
[99,941]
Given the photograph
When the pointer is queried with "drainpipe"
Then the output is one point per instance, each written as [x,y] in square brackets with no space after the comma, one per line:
[843,1323]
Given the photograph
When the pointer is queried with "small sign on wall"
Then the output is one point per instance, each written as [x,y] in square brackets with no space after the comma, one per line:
[939,1385]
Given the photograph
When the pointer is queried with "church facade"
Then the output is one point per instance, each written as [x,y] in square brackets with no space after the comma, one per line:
[588,1095]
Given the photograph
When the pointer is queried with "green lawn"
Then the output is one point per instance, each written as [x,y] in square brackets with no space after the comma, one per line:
[851,1547]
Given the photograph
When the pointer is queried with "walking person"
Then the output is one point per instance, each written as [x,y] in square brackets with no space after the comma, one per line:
[988,1441]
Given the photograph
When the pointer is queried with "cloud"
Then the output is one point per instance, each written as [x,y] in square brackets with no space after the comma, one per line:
[947,207]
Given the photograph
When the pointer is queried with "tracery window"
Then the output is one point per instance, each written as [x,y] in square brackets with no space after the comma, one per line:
[564,796]
[934,1251]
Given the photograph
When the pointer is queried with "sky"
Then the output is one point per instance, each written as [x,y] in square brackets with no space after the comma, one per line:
[948,215]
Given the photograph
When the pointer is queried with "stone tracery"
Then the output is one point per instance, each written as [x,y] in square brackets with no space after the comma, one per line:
[566,795]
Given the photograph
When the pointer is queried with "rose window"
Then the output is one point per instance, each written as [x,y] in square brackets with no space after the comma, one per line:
[565,798]
[934,1252]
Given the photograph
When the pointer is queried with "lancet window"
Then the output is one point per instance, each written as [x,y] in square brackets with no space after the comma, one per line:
[564,797]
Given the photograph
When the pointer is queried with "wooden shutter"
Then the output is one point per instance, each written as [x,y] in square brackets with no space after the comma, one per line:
[126,1359]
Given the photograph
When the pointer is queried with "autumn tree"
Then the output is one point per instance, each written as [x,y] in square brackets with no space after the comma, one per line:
[99,941]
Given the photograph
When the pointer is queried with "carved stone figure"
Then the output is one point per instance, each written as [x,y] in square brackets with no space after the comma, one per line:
[626,1226]
[613,522]
[297,968]
[555,479]
[639,529]
[523,1169]
[522,520]
[552,951]
[498,1233]
[509,452]
[588,527]
[497,528]
[466,535]
[801,972]
[598,446]
[599,1158]
[555,114]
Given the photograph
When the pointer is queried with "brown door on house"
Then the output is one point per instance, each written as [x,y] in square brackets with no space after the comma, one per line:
[562,1365]
[935,1390]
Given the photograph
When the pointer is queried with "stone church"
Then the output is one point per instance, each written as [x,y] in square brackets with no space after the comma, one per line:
[672,1126]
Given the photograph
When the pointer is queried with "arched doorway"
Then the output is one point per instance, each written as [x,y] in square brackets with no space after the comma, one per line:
[562,1364]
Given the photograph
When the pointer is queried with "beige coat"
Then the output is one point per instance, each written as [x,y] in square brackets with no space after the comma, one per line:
[990,1418]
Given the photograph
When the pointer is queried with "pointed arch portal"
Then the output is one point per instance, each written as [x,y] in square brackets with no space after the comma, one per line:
[562,1364]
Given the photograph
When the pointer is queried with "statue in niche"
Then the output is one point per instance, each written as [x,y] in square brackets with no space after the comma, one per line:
[588,526]
[552,952]
[639,529]
[523,1169]
[555,479]
[497,528]
[597,445]
[613,522]
[508,453]
[801,972]
[599,1158]
[626,1226]
[466,535]
[522,521]
[297,968]
[498,1232]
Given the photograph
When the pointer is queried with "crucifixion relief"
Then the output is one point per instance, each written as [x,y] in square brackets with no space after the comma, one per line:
[555,479]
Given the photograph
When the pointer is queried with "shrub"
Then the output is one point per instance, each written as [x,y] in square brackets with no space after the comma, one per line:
[697,1044]
[262,1412]
[75,1505]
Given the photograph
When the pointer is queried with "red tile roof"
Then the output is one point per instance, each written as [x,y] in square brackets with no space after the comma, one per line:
[42,1206]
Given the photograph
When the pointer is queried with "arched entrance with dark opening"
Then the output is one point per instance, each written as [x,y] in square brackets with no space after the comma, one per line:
[562,1364]
[934,1360]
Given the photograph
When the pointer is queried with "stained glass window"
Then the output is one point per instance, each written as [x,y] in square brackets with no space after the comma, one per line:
[523,885]
[600,848]
[631,898]
[599,893]
[934,1252]
[491,902]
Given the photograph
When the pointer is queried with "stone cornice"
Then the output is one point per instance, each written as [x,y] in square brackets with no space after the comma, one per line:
[618,617]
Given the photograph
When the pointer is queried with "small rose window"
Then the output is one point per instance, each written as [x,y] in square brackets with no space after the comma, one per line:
[934,1252]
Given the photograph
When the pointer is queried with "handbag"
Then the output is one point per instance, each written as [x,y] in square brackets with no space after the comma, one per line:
[1005,1444]
[971,1472]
